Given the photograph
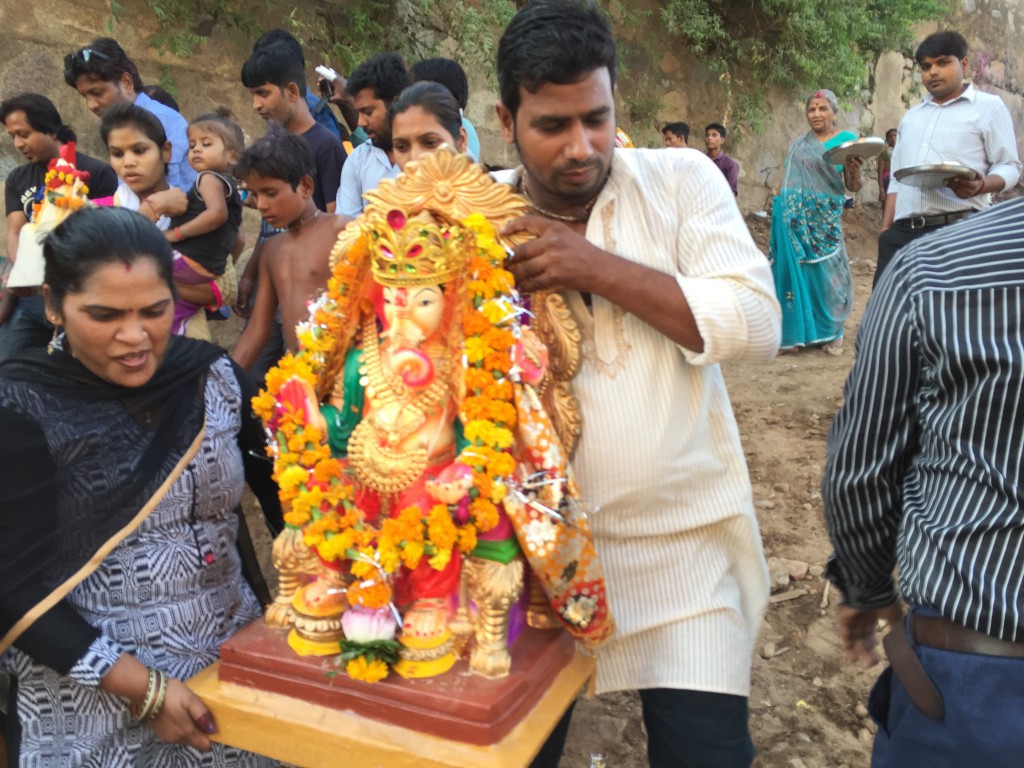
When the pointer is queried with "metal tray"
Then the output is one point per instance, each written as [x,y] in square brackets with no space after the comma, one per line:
[869,146]
[934,174]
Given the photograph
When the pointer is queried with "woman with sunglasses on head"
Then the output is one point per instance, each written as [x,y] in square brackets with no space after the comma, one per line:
[120,575]
[38,132]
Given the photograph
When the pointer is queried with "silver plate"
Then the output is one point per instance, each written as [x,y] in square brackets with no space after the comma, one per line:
[933,175]
[869,146]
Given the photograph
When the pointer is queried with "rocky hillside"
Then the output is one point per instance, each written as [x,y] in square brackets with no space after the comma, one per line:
[662,80]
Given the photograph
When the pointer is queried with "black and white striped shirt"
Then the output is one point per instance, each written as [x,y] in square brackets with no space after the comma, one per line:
[925,457]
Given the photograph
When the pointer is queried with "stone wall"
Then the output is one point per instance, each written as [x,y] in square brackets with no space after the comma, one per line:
[671,84]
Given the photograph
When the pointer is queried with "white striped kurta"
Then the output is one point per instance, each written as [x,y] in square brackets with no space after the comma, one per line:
[660,453]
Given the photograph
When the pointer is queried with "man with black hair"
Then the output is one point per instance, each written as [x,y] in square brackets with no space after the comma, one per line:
[374,84]
[676,135]
[664,282]
[38,131]
[276,78]
[954,122]
[924,477]
[317,106]
[714,140]
[452,76]
[103,74]
[275,74]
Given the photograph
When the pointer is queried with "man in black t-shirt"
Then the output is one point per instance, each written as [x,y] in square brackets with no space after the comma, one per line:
[275,76]
[21,189]
[35,126]
[276,80]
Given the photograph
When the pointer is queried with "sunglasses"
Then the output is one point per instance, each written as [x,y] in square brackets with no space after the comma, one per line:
[82,57]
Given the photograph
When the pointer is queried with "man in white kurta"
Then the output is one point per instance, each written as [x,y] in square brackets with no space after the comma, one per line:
[665,283]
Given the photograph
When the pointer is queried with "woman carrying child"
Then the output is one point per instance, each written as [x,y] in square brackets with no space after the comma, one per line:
[139,152]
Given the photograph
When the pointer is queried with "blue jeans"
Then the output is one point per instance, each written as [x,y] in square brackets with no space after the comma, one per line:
[27,328]
[984,702]
[685,729]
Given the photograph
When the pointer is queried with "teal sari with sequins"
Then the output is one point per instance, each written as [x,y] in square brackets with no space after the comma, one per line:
[808,255]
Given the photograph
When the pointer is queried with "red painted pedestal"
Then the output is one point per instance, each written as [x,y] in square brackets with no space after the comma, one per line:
[456,706]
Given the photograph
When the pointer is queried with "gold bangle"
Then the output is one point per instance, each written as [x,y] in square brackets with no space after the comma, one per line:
[147,701]
[161,697]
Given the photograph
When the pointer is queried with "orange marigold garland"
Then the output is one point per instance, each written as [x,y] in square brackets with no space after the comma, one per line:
[317,493]
[488,411]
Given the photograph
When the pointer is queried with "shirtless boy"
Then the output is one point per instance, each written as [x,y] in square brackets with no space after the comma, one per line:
[294,265]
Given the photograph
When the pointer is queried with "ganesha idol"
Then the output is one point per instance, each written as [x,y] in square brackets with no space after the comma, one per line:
[421,439]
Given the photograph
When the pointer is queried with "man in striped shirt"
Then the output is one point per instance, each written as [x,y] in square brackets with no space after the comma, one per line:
[954,122]
[925,472]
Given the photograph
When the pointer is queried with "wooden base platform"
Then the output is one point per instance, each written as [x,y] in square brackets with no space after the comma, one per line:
[312,735]
[457,705]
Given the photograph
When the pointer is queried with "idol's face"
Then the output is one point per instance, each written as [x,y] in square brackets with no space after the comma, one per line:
[414,314]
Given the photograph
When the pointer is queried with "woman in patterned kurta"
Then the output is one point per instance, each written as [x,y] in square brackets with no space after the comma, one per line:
[120,496]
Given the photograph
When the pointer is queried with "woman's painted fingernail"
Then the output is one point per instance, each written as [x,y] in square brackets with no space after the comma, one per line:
[206,724]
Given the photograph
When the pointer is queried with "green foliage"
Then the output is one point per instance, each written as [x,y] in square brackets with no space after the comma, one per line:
[185,24]
[167,81]
[477,29]
[798,44]
[752,45]
[343,33]
[642,105]
[113,17]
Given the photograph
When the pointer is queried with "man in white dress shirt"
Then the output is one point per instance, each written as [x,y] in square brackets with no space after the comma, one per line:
[664,281]
[953,123]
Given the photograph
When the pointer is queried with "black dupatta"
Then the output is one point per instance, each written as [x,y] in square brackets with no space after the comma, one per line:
[95,459]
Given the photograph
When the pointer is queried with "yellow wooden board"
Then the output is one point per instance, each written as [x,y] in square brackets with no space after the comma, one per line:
[311,736]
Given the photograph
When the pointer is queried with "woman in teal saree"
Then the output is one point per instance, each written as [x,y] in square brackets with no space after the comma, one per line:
[809,262]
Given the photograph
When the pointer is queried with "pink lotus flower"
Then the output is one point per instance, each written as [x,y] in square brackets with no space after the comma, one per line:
[366,625]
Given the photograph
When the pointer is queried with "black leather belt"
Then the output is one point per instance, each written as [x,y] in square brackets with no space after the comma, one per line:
[938,220]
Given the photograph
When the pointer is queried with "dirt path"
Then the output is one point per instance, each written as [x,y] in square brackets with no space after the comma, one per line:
[806,706]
